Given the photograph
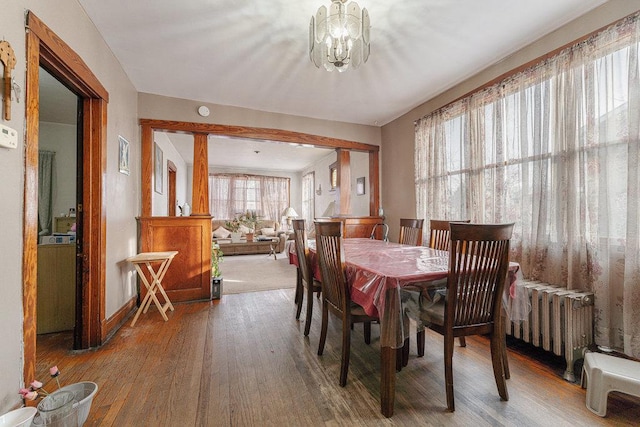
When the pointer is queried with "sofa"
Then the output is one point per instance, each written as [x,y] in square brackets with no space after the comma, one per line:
[264,228]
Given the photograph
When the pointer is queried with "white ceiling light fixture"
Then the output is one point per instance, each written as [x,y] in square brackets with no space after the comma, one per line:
[339,36]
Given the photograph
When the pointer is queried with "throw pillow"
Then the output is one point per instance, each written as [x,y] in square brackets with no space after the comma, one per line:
[270,231]
[244,229]
[221,233]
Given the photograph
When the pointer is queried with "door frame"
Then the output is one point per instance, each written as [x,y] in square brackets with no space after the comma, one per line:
[45,48]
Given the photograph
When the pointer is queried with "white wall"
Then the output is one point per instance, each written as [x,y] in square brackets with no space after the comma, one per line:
[159,205]
[61,139]
[121,192]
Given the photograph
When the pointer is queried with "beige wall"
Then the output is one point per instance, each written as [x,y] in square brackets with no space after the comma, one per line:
[68,20]
[398,194]
[166,108]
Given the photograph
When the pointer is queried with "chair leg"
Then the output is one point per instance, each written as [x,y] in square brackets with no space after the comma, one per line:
[420,342]
[448,371]
[505,360]
[299,293]
[497,357]
[307,323]
[463,342]
[323,330]
[346,351]
[367,333]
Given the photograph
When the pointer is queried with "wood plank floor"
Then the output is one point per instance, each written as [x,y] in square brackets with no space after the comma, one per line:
[243,361]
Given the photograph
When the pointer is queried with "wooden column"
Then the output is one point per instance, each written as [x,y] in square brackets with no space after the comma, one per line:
[344,182]
[374,183]
[146,144]
[200,194]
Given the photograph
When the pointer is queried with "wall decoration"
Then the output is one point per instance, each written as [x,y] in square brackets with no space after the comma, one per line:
[123,158]
[360,186]
[158,166]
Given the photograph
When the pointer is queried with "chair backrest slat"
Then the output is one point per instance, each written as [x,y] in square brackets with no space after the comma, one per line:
[479,262]
[331,259]
[411,231]
[439,233]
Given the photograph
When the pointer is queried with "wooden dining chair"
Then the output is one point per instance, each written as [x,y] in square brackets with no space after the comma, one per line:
[438,239]
[411,231]
[335,292]
[478,267]
[305,279]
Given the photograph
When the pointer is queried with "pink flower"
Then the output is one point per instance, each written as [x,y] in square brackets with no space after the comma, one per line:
[54,371]
[28,394]
[36,385]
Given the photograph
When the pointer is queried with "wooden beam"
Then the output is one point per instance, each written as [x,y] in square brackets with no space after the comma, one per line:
[264,134]
[200,193]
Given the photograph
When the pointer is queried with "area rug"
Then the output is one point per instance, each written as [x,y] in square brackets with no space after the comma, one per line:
[253,273]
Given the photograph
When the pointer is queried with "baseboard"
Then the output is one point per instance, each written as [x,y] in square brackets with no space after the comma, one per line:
[113,323]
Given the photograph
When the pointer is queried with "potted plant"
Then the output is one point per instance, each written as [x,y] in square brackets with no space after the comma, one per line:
[234,227]
[216,275]
[250,220]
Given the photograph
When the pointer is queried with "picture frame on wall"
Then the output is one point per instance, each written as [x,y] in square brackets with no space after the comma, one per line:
[360,190]
[123,157]
[158,177]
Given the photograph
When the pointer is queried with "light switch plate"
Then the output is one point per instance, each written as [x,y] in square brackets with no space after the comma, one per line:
[8,137]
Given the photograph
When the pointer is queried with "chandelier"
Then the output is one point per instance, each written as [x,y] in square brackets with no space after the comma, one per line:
[339,37]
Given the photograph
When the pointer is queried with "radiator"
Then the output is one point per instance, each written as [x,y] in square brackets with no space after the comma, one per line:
[561,321]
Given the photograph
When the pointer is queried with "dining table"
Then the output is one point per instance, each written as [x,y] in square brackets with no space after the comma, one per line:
[378,274]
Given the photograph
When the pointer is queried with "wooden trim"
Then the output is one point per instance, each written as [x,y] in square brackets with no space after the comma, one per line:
[30,220]
[374,183]
[45,48]
[266,134]
[200,191]
[112,324]
[171,187]
[344,182]
[68,65]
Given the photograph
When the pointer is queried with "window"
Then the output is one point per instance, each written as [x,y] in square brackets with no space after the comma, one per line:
[233,194]
[554,149]
[333,176]
[308,199]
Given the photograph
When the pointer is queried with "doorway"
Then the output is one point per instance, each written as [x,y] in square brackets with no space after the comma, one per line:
[45,49]
[58,181]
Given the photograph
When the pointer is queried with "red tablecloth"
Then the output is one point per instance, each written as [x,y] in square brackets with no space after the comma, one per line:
[376,270]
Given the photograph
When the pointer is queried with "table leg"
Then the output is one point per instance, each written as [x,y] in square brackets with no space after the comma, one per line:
[387,380]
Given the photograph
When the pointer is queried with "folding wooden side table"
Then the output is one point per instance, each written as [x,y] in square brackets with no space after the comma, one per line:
[148,258]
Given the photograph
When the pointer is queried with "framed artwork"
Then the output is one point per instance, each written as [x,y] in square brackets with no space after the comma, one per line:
[158,176]
[123,158]
[360,186]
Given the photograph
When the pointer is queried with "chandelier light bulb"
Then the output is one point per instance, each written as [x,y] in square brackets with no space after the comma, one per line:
[339,36]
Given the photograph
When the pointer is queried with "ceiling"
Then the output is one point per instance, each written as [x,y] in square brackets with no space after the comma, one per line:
[254,54]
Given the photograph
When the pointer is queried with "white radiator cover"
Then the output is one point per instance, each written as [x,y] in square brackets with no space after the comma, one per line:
[561,321]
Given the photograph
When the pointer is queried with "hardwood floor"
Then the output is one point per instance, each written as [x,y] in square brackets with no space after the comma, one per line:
[243,361]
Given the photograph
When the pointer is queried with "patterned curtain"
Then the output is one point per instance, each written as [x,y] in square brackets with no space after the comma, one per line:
[308,199]
[554,148]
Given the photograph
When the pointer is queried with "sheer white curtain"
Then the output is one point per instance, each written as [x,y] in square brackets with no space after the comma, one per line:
[233,194]
[555,149]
